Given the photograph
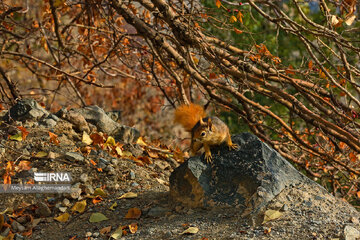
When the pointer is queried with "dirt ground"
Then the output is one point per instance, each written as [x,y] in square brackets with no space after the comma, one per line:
[304,213]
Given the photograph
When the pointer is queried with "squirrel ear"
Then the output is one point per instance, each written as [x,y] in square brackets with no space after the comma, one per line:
[201,121]
[209,123]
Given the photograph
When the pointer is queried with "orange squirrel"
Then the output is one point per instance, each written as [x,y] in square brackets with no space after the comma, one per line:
[205,131]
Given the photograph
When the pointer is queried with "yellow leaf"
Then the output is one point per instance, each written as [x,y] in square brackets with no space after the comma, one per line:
[126,154]
[79,206]
[141,142]
[63,217]
[350,20]
[17,137]
[133,227]
[113,206]
[97,217]
[233,19]
[271,215]
[117,234]
[99,192]
[110,141]
[128,195]
[218,3]
[86,138]
[119,151]
[41,154]
[58,3]
[190,230]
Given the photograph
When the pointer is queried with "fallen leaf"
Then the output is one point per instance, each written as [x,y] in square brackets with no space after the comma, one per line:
[105,230]
[54,138]
[190,230]
[233,19]
[117,234]
[99,192]
[97,199]
[218,3]
[24,132]
[113,206]
[86,139]
[63,217]
[133,227]
[119,151]
[24,166]
[16,137]
[349,21]
[128,195]
[141,142]
[271,215]
[133,213]
[97,217]
[41,154]
[1,220]
[79,206]
[110,141]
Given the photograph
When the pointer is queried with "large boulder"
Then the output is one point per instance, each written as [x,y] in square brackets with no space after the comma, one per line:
[247,178]
[27,109]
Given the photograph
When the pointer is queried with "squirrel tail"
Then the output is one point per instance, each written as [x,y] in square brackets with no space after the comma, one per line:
[189,115]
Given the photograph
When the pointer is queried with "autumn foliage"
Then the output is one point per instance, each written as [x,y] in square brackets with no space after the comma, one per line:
[144,56]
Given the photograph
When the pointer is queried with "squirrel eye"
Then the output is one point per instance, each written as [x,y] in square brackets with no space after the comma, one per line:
[202,134]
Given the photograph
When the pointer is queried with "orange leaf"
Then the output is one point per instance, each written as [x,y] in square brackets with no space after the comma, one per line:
[23,131]
[239,16]
[7,178]
[290,71]
[93,162]
[233,19]
[218,3]
[97,199]
[237,31]
[358,194]
[133,227]
[212,75]
[53,138]
[97,138]
[352,157]
[133,213]
[24,165]
[310,64]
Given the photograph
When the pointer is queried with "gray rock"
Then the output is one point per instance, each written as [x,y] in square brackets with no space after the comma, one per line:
[43,210]
[18,237]
[103,160]
[247,178]
[134,184]
[351,233]
[17,227]
[97,116]
[114,115]
[27,109]
[5,232]
[157,211]
[54,117]
[49,123]
[84,178]
[74,156]
[66,202]
[132,175]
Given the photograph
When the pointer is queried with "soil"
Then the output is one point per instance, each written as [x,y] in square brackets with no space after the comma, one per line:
[306,213]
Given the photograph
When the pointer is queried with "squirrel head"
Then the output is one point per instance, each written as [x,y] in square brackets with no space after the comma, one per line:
[203,130]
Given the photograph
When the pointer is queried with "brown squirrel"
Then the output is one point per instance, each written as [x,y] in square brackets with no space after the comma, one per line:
[205,131]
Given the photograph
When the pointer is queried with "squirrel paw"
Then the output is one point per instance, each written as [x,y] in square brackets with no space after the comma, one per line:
[233,147]
[208,158]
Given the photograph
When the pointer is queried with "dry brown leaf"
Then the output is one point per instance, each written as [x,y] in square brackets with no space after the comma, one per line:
[105,230]
[190,230]
[133,213]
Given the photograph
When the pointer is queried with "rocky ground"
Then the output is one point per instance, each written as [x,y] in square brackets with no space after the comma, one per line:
[104,170]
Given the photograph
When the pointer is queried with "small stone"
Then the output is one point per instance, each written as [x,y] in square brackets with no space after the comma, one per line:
[88,189]
[88,234]
[101,165]
[110,170]
[49,123]
[103,160]
[115,161]
[354,220]
[17,227]
[43,210]
[66,202]
[84,178]
[157,211]
[132,175]
[63,209]
[135,149]
[351,233]
[96,234]
[5,232]
[134,184]
[285,208]
[74,156]
[52,155]
[18,237]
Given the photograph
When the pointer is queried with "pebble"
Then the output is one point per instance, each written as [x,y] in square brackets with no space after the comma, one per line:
[134,184]
[17,227]
[74,156]
[88,234]
[66,202]
[351,233]
[103,160]
[157,211]
[132,175]
[18,237]
[43,210]
[84,178]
